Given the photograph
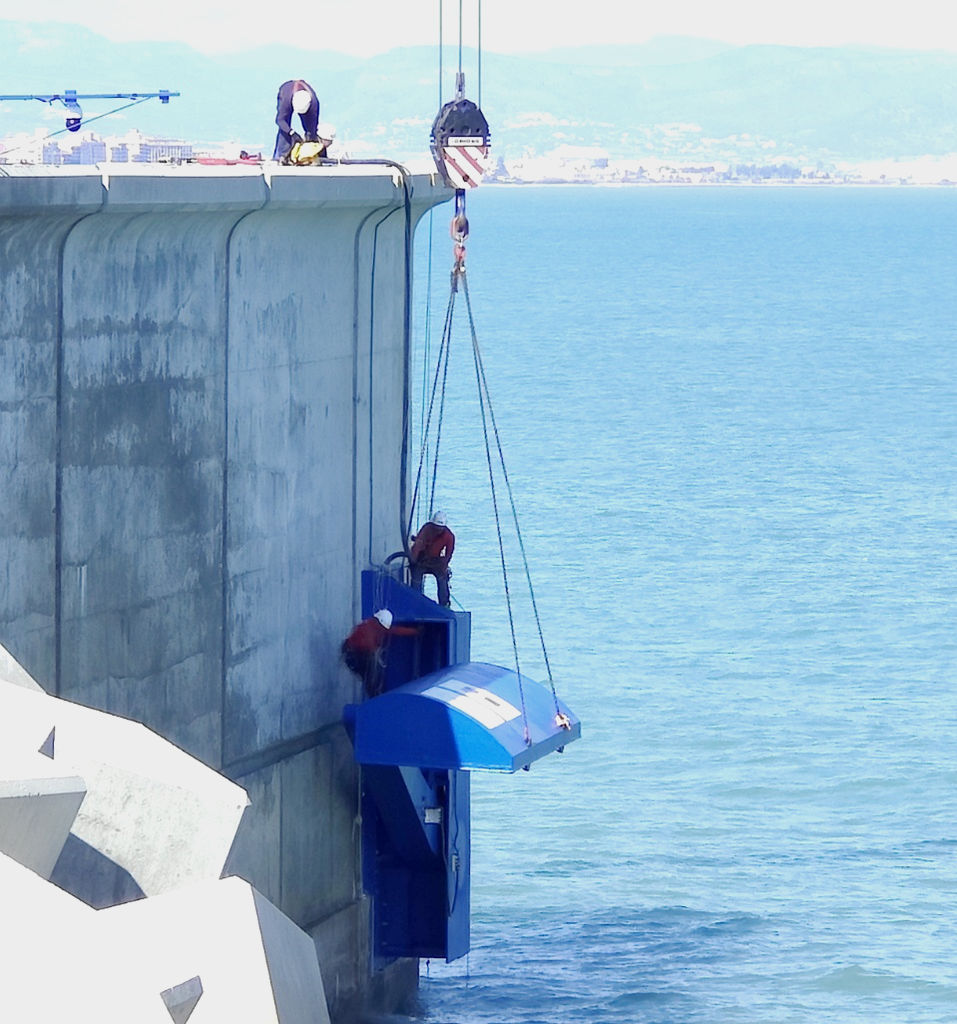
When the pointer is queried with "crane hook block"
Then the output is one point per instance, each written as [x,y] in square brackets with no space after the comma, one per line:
[460,143]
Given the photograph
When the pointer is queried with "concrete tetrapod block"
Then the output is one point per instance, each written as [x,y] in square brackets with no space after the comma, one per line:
[151,808]
[38,805]
[56,966]
[253,963]
[11,671]
[181,999]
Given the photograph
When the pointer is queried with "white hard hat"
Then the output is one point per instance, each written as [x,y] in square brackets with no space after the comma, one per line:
[439,519]
[385,617]
[301,101]
[325,131]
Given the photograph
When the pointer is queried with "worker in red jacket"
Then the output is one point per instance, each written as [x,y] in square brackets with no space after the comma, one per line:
[363,650]
[430,555]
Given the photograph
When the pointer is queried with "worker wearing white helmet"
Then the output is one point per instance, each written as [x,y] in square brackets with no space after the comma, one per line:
[363,650]
[296,97]
[430,555]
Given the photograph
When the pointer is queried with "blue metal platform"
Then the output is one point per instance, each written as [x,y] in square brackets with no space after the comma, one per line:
[470,716]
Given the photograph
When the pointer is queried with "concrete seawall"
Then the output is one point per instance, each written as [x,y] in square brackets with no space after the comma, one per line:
[202,383]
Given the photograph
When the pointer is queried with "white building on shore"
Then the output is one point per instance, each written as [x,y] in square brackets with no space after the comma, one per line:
[88,148]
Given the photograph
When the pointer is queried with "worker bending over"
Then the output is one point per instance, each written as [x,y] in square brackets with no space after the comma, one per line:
[363,650]
[295,97]
[431,553]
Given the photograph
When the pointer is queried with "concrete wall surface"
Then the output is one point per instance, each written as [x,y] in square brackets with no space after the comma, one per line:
[203,378]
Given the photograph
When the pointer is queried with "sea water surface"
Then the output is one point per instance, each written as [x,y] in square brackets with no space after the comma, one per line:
[729,417]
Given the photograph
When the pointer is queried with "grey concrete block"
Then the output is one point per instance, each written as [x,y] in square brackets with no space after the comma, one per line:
[253,962]
[294,969]
[38,805]
[150,808]
[90,876]
[81,974]
[13,673]
[181,999]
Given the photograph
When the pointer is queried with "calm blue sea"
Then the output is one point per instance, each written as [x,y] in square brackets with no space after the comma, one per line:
[730,421]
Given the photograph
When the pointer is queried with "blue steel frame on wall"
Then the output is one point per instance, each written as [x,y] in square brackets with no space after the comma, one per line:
[439,717]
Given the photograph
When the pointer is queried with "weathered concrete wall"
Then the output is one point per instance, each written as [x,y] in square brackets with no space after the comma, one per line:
[31,244]
[202,379]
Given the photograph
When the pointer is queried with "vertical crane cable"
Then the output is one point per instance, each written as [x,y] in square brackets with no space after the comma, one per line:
[427,354]
[480,54]
[441,370]
[438,429]
[427,347]
[425,419]
[488,419]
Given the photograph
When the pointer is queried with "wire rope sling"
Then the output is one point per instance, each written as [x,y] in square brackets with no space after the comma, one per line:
[460,143]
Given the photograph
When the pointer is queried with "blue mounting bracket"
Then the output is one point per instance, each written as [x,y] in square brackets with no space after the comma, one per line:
[416,847]
[440,717]
[444,638]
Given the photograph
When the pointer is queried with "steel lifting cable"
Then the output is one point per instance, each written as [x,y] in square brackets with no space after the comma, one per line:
[438,428]
[427,353]
[442,137]
[441,371]
[485,401]
[427,347]
[439,387]
[460,40]
[478,48]
[483,387]
[479,54]
[442,360]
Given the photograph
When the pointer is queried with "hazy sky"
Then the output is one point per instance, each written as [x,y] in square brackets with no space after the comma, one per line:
[369,26]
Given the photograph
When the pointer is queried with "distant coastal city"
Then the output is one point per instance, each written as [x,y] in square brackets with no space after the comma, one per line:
[584,165]
[565,164]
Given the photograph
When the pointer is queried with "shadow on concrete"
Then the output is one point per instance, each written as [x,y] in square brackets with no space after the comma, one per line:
[92,877]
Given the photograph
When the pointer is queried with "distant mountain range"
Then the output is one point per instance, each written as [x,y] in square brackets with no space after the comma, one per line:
[681,99]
